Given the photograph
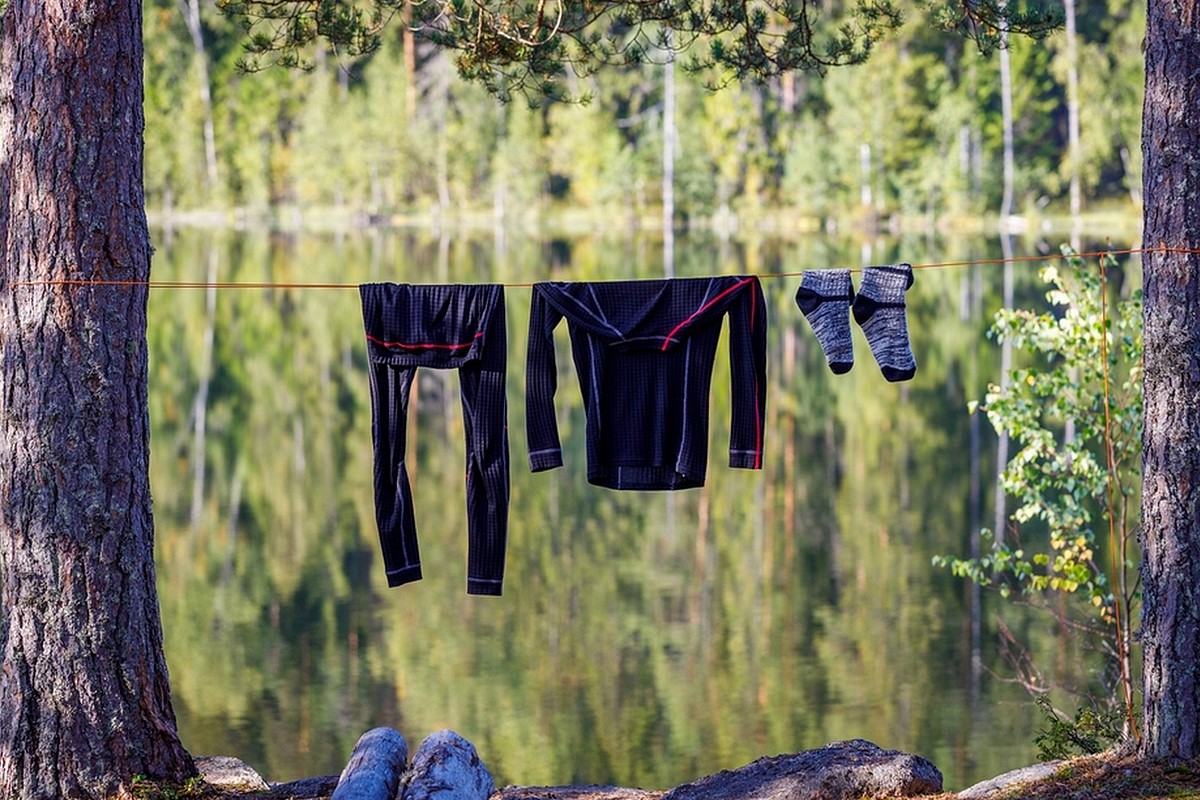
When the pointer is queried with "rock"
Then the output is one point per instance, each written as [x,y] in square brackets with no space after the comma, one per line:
[985,789]
[447,767]
[227,772]
[375,765]
[839,771]
[306,788]
[573,793]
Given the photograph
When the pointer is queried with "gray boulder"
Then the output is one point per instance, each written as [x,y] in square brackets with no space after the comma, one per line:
[228,772]
[1000,783]
[839,771]
[446,767]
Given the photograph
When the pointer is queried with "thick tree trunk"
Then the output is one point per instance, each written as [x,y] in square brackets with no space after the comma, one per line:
[1171,441]
[84,697]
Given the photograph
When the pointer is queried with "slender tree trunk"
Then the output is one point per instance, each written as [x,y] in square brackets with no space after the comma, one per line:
[409,43]
[191,13]
[865,195]
[500,182]
[668,162]
[1171,436]
[84,697]
[1000,508]
[441,156]
[1006,244]
[787,90]
[1135,189]
[200,405]
[1006,112]
[1076,191]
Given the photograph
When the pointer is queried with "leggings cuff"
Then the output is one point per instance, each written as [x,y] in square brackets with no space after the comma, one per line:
[484,586]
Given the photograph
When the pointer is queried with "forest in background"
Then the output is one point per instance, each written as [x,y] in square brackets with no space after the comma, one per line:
[915,133]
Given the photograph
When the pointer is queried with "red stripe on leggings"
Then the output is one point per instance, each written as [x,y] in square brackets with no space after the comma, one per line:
[425,345]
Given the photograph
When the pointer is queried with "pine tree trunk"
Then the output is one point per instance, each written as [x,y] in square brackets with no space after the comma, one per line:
[84,698]
[1171,440]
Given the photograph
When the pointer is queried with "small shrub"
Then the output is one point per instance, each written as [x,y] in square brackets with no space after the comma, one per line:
[1091,731]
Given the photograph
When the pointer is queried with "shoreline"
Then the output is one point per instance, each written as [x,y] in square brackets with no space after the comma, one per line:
[1112,775]
[783,223]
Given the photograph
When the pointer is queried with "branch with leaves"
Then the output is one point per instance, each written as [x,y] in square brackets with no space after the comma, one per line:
[529,46]
[1088,369]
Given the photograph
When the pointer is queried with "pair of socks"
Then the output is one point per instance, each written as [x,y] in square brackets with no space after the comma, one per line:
[826,295]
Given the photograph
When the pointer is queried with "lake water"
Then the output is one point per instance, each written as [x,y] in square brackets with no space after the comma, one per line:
[643,639]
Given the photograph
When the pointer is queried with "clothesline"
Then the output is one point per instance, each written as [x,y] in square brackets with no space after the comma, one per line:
[158,284]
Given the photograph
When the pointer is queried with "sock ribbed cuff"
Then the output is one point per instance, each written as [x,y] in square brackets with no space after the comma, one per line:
[886,284]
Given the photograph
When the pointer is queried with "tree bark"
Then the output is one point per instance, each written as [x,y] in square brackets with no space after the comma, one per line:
[84,696]
[1171,438]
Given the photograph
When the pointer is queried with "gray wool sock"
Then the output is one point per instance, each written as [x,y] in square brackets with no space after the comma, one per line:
[879,311]
[824,297]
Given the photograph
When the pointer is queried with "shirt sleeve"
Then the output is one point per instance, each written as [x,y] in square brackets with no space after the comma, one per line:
[748,371]
[541,382]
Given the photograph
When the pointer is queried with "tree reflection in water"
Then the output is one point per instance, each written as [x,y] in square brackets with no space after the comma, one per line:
[643,639]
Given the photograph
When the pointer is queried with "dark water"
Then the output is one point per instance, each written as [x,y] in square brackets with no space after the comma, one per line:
[643,639]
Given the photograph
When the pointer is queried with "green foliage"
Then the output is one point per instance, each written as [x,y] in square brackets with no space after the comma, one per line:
[988,23]
[279,33]
[1111,72]
[531,47]
[395,132]
[1092,730]
[1087,369]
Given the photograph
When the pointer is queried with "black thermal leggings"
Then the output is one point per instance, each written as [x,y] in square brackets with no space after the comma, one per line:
[440,327]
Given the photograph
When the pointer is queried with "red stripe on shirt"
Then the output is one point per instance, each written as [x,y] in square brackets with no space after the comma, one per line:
[667,341]
[425,345]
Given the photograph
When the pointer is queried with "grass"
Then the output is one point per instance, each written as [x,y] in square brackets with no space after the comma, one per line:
[144,788]
[1113,775]
[195,789]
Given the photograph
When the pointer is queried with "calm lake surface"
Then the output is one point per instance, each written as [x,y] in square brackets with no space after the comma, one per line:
[643,639]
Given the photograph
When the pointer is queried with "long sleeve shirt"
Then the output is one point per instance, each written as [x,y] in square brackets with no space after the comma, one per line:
[644,352]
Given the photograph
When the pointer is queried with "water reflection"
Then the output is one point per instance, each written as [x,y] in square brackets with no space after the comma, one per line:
[643,639]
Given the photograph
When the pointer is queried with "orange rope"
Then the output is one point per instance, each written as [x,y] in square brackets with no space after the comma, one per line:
[154,284]
[1012,260]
